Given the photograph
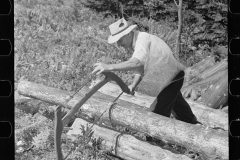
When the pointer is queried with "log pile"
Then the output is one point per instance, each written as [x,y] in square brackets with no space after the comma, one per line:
[201,139]
[196,69]
[207,85]
[205,89]
[127,146]
[207,116]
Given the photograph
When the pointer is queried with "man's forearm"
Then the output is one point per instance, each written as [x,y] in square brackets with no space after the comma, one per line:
[132,64]
[137,79]
[125,66]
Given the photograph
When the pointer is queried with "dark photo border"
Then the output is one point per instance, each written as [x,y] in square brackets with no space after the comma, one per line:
[234,75]
[7,75]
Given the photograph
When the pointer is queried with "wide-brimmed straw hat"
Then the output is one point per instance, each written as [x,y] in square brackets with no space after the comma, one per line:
[119,29]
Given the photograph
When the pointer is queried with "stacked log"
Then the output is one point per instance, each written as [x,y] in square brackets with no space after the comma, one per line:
[205,83]
[223,65]
[198,138]
[207,116]
[209,87]
[198,68]
[216,95]
[125,146]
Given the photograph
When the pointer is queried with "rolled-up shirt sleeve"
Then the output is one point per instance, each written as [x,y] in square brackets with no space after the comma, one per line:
[141,51]
[139,71]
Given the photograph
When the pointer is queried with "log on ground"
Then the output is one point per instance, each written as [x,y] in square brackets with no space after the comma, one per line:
[128,147]
[197,138]
[207,116]
[18,99]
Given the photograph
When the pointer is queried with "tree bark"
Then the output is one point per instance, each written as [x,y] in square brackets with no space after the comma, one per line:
[207,116]
[223,65]
[199,89]
[198,68]
[208,81]
[217,94]
[198,138]
[18,99]
[125,146]
[178,45]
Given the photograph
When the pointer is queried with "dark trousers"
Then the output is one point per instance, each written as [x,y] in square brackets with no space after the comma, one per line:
[170,98]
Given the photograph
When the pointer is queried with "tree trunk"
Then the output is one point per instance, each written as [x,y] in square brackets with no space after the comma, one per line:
[198,138]
[207,116]
[178,44]
[125,146]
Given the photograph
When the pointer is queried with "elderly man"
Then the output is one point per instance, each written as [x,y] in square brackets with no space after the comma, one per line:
[156,69]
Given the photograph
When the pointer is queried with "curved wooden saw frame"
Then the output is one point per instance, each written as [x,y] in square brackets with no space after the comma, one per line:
[60,123]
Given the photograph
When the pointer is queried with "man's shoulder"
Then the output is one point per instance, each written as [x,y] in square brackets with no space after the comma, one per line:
[143,33]
[142,36]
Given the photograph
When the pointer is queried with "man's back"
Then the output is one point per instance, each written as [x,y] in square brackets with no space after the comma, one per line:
[160,66]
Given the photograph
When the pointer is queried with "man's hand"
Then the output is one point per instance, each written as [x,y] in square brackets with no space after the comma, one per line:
[100,67]
[131,88]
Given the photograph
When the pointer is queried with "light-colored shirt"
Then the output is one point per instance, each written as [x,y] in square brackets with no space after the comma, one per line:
[160,66]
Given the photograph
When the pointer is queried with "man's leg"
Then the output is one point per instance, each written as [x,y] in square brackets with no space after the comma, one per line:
[168,96]
[171,98]
[183,110]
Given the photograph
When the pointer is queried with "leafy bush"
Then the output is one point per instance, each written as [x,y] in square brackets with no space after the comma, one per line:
[204,22]
[59,50]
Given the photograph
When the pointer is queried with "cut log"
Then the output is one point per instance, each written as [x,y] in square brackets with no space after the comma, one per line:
[190,92]
[112,90]
[207,116]
[215,69]
[18,99]
[208,81]
[198,68]
[201,87]
[208,62]
[126,146]
[198,138]
[217,94]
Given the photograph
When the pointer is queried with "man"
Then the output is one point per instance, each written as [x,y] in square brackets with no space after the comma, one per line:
[155,67]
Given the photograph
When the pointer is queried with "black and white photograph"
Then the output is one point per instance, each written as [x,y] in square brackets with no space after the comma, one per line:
[121,80]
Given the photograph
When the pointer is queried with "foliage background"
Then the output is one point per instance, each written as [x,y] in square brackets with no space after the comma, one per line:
[58,41]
